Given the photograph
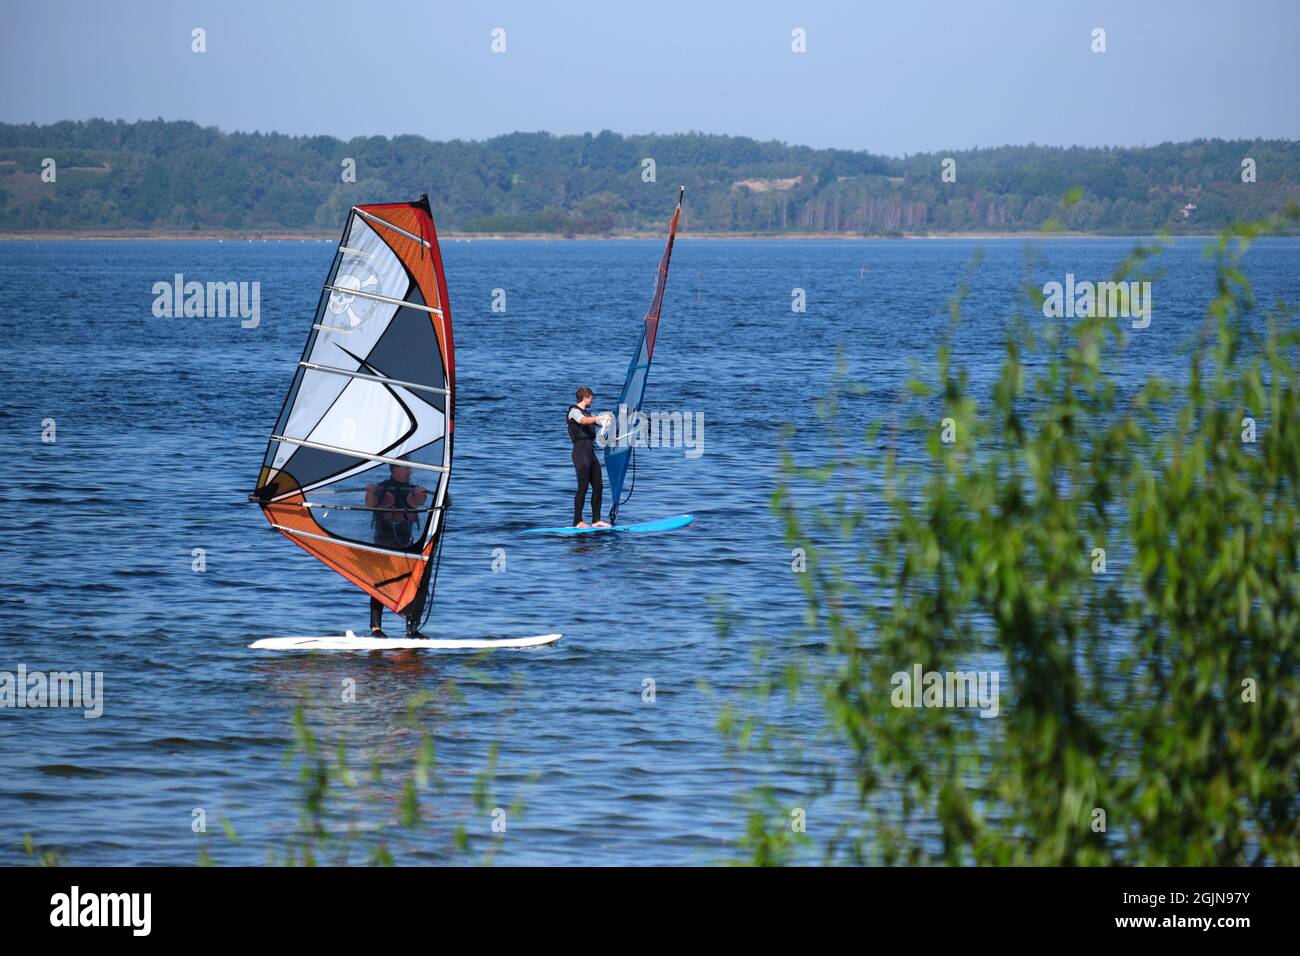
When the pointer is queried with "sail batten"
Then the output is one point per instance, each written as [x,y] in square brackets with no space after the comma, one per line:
[374,378]
[374,388]
[382,298]
[618,450]
[385,459]
[388,225]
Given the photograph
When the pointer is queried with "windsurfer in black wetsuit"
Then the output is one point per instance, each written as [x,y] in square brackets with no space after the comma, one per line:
[397,530]
[582,432]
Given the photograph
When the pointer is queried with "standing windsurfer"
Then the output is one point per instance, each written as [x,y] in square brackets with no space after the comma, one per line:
[582,432]
[396,528]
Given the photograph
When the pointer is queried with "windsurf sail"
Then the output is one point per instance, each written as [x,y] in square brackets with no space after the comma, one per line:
[375,388]
[620,445]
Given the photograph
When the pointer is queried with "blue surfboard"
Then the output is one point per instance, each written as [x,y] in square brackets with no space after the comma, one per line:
[661,524]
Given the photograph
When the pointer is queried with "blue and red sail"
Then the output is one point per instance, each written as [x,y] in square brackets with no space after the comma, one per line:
[619,447]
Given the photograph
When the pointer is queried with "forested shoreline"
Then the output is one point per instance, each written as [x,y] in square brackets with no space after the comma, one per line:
[178,177]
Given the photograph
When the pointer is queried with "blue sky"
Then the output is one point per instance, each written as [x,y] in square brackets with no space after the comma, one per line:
[890,77]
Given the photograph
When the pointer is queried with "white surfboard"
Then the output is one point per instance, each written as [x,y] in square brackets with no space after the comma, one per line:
[350,642]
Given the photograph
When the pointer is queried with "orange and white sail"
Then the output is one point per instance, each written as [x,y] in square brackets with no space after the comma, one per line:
[375,387]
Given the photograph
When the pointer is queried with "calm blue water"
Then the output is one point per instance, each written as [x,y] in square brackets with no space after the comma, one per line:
[162,423]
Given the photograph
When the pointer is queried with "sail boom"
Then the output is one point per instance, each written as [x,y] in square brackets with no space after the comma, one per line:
[318,491]
[332,507]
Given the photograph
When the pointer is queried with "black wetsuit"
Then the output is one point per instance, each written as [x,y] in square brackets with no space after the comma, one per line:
[587,465]
[397,535]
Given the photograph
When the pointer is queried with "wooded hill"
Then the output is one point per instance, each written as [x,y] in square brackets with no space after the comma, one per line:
[180,177]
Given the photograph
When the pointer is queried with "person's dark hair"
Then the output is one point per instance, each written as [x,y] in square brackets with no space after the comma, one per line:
[583,392]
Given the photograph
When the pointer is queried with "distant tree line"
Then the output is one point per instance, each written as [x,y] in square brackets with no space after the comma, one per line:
[179,176]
